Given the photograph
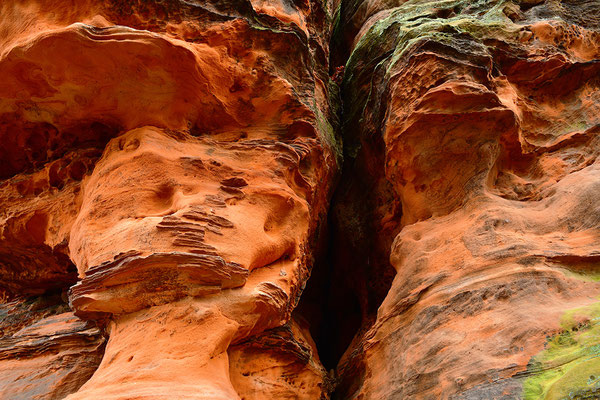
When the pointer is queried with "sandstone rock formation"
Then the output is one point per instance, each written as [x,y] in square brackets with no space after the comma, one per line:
[181,158]
[485,115]
[167,178]
[45,351]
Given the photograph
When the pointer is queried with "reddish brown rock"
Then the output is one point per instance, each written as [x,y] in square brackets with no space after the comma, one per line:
[169,164]
[282,363]
[486,116]
[182,159]
[45,351]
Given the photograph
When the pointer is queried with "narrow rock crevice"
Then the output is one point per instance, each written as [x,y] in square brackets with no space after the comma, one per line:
[353,274]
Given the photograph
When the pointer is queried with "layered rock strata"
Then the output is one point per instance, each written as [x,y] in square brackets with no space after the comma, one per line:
[171,161]
[45,351]
[486,116]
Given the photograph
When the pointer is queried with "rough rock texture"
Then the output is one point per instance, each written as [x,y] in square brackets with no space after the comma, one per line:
[171,162]
[45,351]
[281,363]
[485,115]
[167,177]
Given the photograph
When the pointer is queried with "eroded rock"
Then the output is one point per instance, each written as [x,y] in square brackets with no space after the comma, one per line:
[485,114]
[167,167]
[45,351]
[180,156]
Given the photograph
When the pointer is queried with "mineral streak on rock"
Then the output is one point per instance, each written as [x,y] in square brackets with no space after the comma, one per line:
[486,116]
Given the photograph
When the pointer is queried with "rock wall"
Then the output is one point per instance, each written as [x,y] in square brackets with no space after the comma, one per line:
[485,118]
[172,173]
[166,169]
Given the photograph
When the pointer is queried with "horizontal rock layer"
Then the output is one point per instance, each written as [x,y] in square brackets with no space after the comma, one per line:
[45,351]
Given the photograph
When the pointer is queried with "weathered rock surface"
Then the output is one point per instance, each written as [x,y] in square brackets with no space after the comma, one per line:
[166,171]
[486,114]
[171,162]
[45,351]
[281,363]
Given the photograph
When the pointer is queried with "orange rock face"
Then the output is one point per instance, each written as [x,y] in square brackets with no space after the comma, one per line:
[180,159]
[170,179]
[486,117]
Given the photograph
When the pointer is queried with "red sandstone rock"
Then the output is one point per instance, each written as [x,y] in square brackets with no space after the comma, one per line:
[487,119]
[182,160]
[45,352]
[280,364]
[170,163]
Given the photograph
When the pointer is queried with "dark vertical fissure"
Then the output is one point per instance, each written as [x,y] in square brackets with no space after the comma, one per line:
[353,274]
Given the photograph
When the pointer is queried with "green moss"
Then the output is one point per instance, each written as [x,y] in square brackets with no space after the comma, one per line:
[328,134]
[578,126]
[569,367]
[463,26]
[415,21]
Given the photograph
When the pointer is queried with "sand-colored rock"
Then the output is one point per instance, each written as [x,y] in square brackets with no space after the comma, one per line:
[488,120]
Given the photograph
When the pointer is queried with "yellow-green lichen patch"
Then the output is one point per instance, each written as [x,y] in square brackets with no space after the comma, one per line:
[587,276]
[569,366]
